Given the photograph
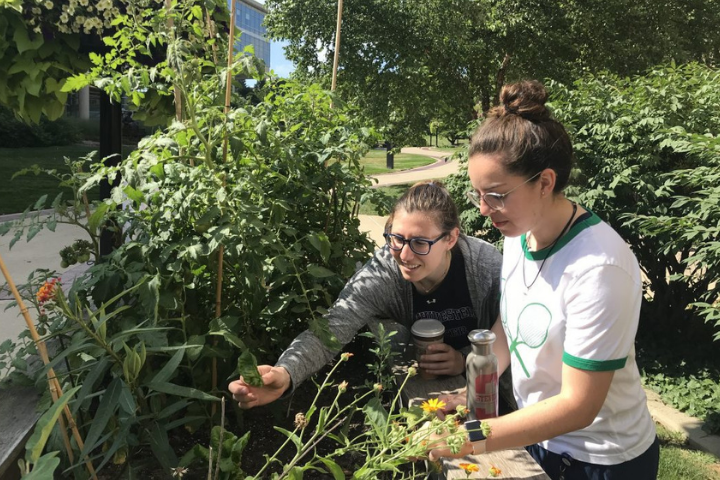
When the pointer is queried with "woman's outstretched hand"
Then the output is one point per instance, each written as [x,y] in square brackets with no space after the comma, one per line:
[276,381]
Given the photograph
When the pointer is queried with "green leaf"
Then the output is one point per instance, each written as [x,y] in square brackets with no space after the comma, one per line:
[319,272]
[108,405]
[334,468]
[134,195]
[321,244]
[295,439]
[44,468]
[247,367]
[34,229]
[23,41]
[36,444]
[179,391]
[169,369]
[160,445]
[40,202]
[376,414]
[97,217]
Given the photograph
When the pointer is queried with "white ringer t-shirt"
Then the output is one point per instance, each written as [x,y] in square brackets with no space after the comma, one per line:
[583,311]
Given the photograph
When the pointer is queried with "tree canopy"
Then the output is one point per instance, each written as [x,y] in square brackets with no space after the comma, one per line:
[407,63]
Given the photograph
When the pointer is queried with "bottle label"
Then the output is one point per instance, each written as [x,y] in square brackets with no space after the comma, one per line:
[486,396]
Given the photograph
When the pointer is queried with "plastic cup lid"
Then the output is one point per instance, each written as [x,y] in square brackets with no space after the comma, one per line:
[427,328]
[481,336]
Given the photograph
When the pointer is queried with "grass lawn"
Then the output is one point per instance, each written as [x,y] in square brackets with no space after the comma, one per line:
[679,462]
[16,195]
[375,162]
[394,191]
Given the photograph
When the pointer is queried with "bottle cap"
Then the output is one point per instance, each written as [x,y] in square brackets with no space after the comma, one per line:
[427,328]
[481,336]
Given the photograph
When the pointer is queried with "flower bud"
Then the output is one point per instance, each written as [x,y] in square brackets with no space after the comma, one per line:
[300,420]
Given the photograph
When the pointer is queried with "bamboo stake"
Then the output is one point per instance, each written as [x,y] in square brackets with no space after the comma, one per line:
[228,95]
[176,91]
[54,384]
[337,46]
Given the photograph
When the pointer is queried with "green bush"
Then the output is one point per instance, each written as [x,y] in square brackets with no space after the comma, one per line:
[648,163]
[278,210]
[15,133]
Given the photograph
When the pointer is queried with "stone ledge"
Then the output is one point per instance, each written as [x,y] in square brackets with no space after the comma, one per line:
[680,422]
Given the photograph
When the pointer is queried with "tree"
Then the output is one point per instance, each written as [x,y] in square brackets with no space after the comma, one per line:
[407,63]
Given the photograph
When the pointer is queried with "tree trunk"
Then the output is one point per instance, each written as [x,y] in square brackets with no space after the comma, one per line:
[500,77]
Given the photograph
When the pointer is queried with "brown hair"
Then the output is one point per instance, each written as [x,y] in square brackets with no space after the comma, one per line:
[431,198]
[522,130]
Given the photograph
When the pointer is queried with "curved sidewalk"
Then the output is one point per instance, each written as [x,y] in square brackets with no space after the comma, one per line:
[442,167]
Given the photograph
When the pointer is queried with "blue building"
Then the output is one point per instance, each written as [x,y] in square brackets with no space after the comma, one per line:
[249,16]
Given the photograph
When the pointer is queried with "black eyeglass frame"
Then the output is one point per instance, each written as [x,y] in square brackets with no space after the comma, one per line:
[475,197]
[409,241]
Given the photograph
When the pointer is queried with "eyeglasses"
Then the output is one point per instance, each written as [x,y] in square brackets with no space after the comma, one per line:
[419,246]
[494,201]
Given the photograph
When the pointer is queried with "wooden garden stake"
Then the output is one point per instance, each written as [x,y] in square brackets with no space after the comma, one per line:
[54,384]
[228,92]
[337,46]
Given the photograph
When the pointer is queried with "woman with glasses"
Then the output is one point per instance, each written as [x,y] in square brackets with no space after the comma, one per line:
[428,269]
[571,295]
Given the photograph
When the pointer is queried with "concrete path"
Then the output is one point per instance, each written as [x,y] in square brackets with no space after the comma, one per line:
[442,167]
[41,252]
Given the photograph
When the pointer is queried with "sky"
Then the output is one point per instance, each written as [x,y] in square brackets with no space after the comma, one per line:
[278,63]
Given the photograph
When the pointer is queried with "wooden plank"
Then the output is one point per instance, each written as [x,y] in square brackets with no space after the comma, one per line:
[18,415]
[515,463]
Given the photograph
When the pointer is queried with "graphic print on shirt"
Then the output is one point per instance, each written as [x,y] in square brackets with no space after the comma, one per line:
[530,328]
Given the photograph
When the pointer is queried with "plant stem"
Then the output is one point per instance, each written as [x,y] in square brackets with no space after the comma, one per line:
[310,447]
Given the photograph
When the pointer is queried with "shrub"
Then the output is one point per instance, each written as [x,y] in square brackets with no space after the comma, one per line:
[15,133]
[648,163]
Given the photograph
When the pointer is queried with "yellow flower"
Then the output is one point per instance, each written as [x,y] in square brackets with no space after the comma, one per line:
[346,356]
[432,405]
[343,386]
[494,472]
[470,467]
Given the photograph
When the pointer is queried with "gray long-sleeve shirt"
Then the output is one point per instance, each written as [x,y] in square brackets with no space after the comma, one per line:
[378,292]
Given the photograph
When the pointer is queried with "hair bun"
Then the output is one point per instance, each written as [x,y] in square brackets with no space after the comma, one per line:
[526,99]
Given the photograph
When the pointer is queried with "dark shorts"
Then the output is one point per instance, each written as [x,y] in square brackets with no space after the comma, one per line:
[564,467]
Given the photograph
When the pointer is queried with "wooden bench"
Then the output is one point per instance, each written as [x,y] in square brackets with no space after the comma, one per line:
[514,463]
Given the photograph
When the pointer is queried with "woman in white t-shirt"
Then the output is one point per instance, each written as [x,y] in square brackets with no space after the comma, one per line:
[570,303]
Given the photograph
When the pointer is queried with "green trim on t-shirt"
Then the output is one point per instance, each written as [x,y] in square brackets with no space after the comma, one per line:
[564,240]
[594,365]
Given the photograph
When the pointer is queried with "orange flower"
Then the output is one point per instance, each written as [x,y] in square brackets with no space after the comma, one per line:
[47,291]
[469,467]
[432,405]
[346,356]
[494,472]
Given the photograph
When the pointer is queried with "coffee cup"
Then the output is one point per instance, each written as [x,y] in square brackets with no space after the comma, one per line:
[426,332]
